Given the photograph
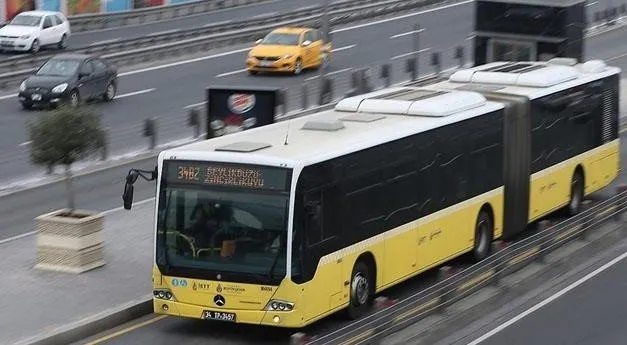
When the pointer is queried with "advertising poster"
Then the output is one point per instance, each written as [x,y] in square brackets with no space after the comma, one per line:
[13,7]
[232,109]
[147,3]
[49,5]
[83,6]
[118,5]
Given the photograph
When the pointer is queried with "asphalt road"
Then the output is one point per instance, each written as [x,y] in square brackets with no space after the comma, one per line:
[587,305]
[593,313]
[168,91]
[82,39]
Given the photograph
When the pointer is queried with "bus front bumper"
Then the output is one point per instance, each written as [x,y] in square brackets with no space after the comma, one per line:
[288,319]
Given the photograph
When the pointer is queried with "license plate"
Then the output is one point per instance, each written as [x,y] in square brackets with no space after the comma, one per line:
[36,97]
[218,315]
[266,63]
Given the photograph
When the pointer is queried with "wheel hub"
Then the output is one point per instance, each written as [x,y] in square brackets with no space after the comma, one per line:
[360,288]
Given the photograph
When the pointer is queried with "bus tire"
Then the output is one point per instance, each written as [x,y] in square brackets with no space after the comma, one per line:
[576,194]
[484,232]
[361,289]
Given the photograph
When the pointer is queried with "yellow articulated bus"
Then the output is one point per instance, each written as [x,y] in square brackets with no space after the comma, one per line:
[287,223]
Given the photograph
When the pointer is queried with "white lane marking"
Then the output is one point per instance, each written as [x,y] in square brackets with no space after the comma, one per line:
[409,54]
[230,73]
[116,97]
[104,41]
[407,33]
[330,73]
[267,14]
[183,62]
[402,16]
[217,23]
[339,49]
[549,299]
[194,105]
[470,38]
[591,4]
[165,32]
[8,96]
[106,212]
[26,143]
[135,93]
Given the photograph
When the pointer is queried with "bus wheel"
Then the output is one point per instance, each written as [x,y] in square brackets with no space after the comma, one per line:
[484,231]
[360,290]
[576,194]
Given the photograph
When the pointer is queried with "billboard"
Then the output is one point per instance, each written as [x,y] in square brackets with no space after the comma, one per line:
[83,6]
[13,7]
[234,109]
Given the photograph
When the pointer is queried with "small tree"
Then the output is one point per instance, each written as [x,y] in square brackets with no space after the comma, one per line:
[64,137]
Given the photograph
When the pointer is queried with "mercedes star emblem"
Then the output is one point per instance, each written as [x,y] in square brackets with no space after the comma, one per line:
[219,300]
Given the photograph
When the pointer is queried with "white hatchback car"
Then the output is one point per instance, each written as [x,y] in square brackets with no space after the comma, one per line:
[31,30]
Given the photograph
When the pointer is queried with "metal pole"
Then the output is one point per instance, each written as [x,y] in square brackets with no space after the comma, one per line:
[325,33]
[416,49]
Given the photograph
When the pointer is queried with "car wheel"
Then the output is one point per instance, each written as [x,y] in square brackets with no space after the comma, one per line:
[63,42]
[75,98]
[110,92]
[251,72]
[34,47]
[298,66]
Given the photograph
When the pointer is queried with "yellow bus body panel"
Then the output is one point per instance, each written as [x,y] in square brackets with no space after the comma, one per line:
[550,188]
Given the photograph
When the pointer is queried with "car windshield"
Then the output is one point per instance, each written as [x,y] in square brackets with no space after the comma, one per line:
[234,232]
[281,39]
[59,67]
[26,20]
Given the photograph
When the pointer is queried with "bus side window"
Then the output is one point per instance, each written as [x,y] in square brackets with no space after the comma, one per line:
[322,215]
[313,217]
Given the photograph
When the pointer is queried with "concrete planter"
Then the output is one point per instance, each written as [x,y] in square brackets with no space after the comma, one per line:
[71,243]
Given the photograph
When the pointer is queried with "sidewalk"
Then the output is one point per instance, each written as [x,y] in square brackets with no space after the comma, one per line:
[34,303]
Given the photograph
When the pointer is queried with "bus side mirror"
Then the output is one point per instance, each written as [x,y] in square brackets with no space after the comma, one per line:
[127,196]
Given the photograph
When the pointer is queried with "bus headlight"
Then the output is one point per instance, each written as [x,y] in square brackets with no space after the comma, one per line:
[164,294]
[277,305]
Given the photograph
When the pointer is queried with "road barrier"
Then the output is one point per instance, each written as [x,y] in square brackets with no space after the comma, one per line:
[89,22]
[185,42]
[394,316]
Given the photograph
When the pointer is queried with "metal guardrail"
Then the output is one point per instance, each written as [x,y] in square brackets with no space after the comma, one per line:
[178,41]
[396,316]
[89,21]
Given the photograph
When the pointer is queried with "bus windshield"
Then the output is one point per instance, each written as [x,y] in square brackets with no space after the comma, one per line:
[240,235]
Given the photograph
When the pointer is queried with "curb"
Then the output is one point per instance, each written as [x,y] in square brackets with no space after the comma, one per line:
[94,324]
[608,234]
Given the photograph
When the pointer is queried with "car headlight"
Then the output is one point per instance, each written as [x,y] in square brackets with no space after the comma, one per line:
[23,86]
[25,37]
[59,88]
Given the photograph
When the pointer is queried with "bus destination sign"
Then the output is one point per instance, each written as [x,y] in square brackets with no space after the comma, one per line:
[228,175]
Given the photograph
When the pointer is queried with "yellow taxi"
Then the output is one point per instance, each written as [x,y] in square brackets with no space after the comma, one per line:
[289,49]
